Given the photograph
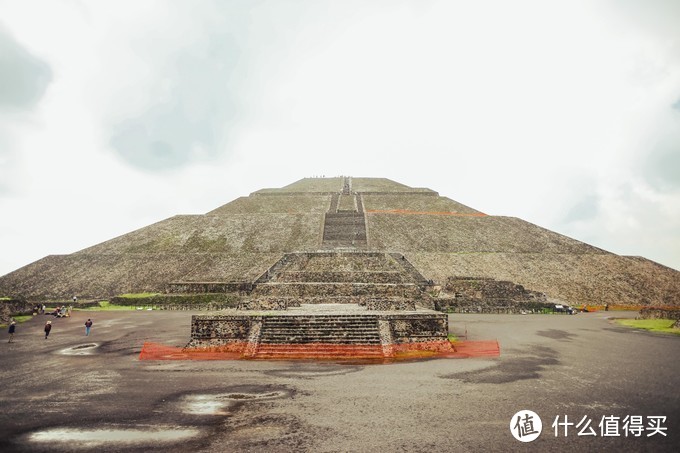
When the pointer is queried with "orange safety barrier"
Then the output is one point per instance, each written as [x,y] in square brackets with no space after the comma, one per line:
[407,212]
[322,351]
[156,351]
[484,348]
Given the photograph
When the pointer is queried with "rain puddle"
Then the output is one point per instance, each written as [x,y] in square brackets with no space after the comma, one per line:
[96,437]
[83,349]
[219,404]
[313,371]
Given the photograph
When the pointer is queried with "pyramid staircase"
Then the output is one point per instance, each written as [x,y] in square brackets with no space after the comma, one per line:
[339,277]
[345,221]
[320,336]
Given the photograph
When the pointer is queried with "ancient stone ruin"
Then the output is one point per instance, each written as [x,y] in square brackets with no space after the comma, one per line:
[373,253]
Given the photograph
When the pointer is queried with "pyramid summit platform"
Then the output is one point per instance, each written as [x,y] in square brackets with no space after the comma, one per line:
[347,240]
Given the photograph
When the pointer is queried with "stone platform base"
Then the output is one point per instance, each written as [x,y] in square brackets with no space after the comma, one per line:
[320,331]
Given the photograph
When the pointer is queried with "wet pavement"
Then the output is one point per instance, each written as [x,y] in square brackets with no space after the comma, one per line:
[77,393]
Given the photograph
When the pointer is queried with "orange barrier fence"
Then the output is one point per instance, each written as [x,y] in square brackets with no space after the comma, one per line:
[322,351]
[484,348]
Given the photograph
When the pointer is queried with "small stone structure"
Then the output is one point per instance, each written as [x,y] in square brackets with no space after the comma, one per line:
[10,307]
[487,295]
[329,303]
[270,334]
[660,313]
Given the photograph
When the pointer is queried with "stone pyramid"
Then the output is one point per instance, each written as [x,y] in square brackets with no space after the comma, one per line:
[434,238]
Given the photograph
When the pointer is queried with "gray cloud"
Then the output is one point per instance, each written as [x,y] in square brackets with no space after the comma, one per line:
[662,167]
[676,106]
[23,77]
[190,117]
[585,209]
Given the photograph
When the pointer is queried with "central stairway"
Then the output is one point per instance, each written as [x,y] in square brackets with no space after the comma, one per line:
[345,221]
[321,336]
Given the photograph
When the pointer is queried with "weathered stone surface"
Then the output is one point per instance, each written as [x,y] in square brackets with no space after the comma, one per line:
[660,313]
[260,328]
[11,307]
[268,304]
[236,245]
[390,304]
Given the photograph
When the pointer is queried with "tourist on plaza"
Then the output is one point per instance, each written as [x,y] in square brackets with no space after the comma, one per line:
[88,325]
[48,327]
[12,329]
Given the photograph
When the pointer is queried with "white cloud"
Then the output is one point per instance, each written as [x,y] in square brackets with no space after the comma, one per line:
[526,108]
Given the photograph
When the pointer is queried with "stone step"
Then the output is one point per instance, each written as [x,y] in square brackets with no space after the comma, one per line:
[336,334]
[329,333]
[295,328]
[318,351]
[341,277]
[344,214]
[299,330]
[319,326]
[312,317]
[339,341]
[374,351]
[314,289]
[327,349]
[346,319]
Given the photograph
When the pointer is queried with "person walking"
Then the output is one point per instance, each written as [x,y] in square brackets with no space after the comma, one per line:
[12,329]
[48,327]
[88,325]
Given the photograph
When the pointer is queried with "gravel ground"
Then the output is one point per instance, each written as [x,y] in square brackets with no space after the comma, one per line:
[77,393]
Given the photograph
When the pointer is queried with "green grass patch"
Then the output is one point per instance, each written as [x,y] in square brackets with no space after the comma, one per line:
[19,319]
[105,305]
[23,318]
[452,338]
[653,325]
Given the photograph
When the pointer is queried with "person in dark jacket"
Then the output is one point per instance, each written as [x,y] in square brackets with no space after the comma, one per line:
[48,327]
[88,325]
[12,329]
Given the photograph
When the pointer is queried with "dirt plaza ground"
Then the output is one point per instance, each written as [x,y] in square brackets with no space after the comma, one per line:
[77,393]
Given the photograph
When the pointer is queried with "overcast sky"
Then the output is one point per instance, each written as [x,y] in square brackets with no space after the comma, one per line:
[114,115]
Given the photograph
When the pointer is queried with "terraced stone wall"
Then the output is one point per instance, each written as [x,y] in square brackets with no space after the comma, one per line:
[268,304]
[417,328]
[579,278]
[490,290]
[389,304]
[330,290]
[10,307]
[214,330]
[660,313]
[220,328]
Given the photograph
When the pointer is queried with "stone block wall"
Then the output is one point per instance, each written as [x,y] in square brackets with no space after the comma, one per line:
[208,287]
[212,330]
[490,292]
[215,330]
[334,290]
[10,307]
[268,304]
[211,301]
[342,277]
[389,304]
[660,313]
[418,328]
